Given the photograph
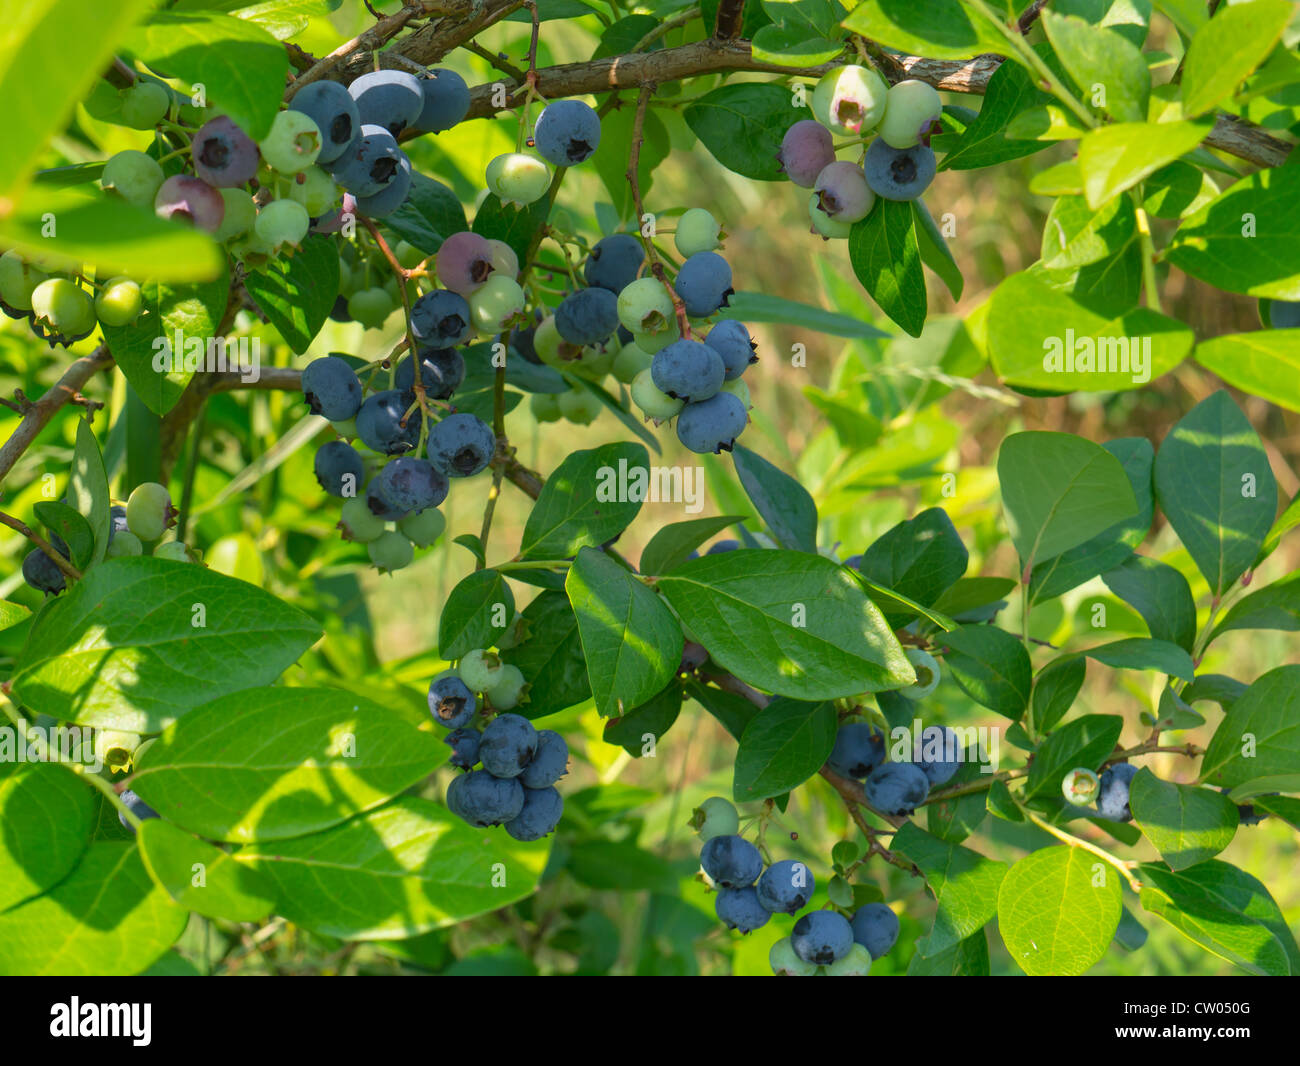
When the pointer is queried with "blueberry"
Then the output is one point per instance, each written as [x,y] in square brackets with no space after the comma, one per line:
[926,668]
[704,283]
[540,814]
[822,937]
[392,196]
[381,507]
[857,963]
[718,547]
[912,109]
[587,316]
[485,800]
[731,862]
[508,745]
[806,150]
[785,887]
[441,372]
[223,154]
[455,796]
[331,388]
[549,763]
[464,747]
[1112,796]
[730,339]
[715,817]
[117,518]
[1080,785]
[149,510]
[899,173]
[688,370]
[712,426]
[1284,314]
[339,468]
[331,107]
[464,262]
[875,927]
[136,806]
[461,445]
[41,572]
[567,132]
[785,963]
[408,484]
[897,788]
[392,99]
[850,100]
[858,750]
[614,262]
[446,101]
[940,755]
[379,423]
[739,908]
[441,319]
[451,703]
[370,162]
[843,193]
[521,341]
[191,200]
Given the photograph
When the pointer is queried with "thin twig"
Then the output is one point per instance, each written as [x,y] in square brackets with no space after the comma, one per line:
[63,564]
[65,390]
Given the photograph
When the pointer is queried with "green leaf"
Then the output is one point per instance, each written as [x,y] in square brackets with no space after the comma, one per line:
[940,29]
[1055,689]
[610,160]
[792,47]
[886,259]
[1276,606]
[1216,688]
[742,125]
[1186,824]
[1228,48]
[12,613]
[1285,807]
[653,718]
[430,213]
[62,521]
[1263,363]
[617,866]
[787,622]
[764,307]
[192,311]
[1177,190]
[88,488]
[1226,911]
[225,888]
[965,886]
[396,872]
[1001,805]
[514,225]
[1058,910]
[671,544]
[1143,653]
[786,743]
[470,615]
[124,648]
[48,816]
[241,67]
[632,643]
[970,958]
[955,818]
[271,763]
[734,712]
[1075,235]
[1215,486]
[551,659]
[973,593]
[579,505]
[1259,737]
[105,919]
[297,294]
[1160,594]
[1083,741]
[991,667]
[1103,64]
[1227,244]
[986,141]
[1116,157]
[919,558]
[934,250]
[784,504]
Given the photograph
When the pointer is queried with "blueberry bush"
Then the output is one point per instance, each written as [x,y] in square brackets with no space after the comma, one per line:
[454,451]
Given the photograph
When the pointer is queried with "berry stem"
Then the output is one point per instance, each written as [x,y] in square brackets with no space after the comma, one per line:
[66,567]
[402,277]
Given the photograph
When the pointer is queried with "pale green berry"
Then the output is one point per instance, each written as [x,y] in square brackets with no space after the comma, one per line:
[517,178]
[697,231]
[785,963]
[144,104]
[134,176]
[505,262]
[740,390]
[857,963]
[149,511]
[551,348]
[480,670]
[124,543]
[654,342]
[18,280]
[371,307]
[644,306]
[293,143]
[1080,786]
[580,407]
[391,551]
[927,674]
[545,406]
[282,222]
[116,748]
[913,106]
[119,302]
[508,690]
[358,522]
[239,217]
[423,528]
[850,100]
[715,817]
[315,190]
[496,303]
[822,223]
[62,306]
[630,361]
[654,404]
[408,255]
[175,550]
[594,361]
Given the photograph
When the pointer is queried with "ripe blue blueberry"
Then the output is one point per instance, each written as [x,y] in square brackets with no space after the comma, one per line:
[409,484]
[740,908]
[718,547]
[370,163]
[339,469]
[508,745]
[550,763]
[223,154]
[331,107]
[731,862]
[379,423]
[441,372]
[940,754]
[136,806]
[539,815]
[41,572]
[822,937]
[899,173]
[712,426]
[614,262]
[451,702]
[785,887]
[1284,314]
[806,150]
[567,132]
[464,747]
[1112,796]
[331,388]
[688,370]
[704,283]
[391,196]
[446,101]
[381,507]
[588,316]
[389,98]
[875,927]
[485,800]
[858,750]
[461,445]
[897,788]
[730,339]
[441,319]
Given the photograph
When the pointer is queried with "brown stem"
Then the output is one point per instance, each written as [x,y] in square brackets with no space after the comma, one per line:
[731,18]
[1030,15]
[369,40]
[63,564]
[66,390]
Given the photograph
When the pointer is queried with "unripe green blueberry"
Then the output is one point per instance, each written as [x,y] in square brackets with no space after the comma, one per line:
[175,550]
[927,674]
[391,551]
[518,179]
[282,222]
[579,406]
[645,307]
[18,280]
[124,543]
[315,190]
[823,224]
[912,108]
[656,405]
[371,307]
[504,261]
[144,104]
[408,255]
[119,302]
[653,342]
[496,304]
[1080,786]
[62,306]
[116,748]
[480,670]
[857,963]
[594,361]
[551,348]
[545,406]
[740,390]
[697,231]
[785,963]
[293,143]
[509,689]
[630,361]
[134,176]
[149,511]
[423,528]
[850,101]
[345,277]
[715,817]
[346,429]
[239,217]
[357,521]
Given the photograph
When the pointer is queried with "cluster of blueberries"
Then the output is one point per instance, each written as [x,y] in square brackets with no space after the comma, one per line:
[390,493]
[520,764]
[854,101]
[748,895]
